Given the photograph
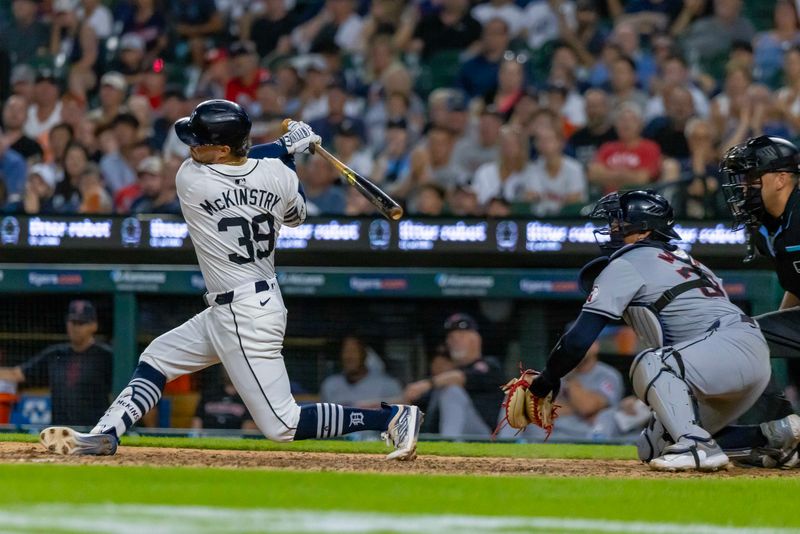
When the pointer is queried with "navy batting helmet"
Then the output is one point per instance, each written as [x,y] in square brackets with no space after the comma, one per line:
[635,211]
[742,168]
[215,122]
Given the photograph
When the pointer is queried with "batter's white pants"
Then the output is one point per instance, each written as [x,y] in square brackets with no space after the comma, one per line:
[246,335]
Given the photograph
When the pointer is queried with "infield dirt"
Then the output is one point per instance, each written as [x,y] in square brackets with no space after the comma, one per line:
[372,463]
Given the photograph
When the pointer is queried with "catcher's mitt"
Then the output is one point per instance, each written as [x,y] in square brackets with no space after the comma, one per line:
[523,407]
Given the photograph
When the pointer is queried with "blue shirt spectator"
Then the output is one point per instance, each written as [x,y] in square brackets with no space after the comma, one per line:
[13,169]
[478,75]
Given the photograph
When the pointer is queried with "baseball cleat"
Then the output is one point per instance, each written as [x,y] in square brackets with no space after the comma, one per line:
[65,441]
[403,432]
[691,455]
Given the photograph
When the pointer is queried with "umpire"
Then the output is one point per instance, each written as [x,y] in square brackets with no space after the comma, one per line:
[78,372]
[761,177]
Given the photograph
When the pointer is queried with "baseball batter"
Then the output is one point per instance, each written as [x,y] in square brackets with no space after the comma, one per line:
[234,207]
[707,362]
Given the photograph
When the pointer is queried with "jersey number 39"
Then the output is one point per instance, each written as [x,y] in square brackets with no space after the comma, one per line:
[249,238]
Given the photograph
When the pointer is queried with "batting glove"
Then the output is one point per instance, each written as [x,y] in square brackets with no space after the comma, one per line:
[299,137]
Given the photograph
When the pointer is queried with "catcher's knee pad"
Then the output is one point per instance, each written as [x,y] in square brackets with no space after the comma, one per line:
[652,441]
[650,366]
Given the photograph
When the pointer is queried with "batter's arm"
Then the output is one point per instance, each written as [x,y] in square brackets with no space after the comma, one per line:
[12,374]
[273,150]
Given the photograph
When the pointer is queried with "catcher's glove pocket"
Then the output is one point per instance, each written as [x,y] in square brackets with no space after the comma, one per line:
[522,408]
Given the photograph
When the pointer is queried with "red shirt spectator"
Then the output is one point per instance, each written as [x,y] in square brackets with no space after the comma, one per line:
[631,161]
[247,75]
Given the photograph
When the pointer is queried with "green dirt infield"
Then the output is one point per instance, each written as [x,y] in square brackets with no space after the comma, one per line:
[132,498]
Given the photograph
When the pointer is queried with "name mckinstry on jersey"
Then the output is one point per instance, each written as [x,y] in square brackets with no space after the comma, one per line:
[234,214]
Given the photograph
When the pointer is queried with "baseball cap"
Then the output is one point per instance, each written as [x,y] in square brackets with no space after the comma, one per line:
[347,128]
[81,311]
[114,79]
[45,173]
[150,165]
[22,73]
[46,74]
[63,6]
[242,48]
[399,122]
[460,321]
[131,41]
[457,102]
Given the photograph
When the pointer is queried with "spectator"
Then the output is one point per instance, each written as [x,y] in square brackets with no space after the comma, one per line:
[39,189]
[396,99]
[473,151]
[98,17]
[147,20]
[247,74]
[646,16]
[631,161]
[22,81]
[272,29]
[46,109]
[147,171]
[463,202]
[59,138]
[711,37]
[152,84]
[13,170]
[78,372]
[113,88]
[195,22]
[151,182]
[769,47]
[504,10]
[383,19]
[214,77]
[14,116]
[94,197]
[267,113]
[464,399]
[167,200]
[174,107]
[587,36]
[555,180]
[73,41]
[700,195]
[428,200]
[732,107]
[130,58]
[668,131]
[393,164]
[788,96]
[347,144]
[221,407]
[498,208]
[569,102]
[117,165]
[542,21]
[332,113]
[589,396]
[623,84]
[319,181]
[432,161]
[67,196]
[337,24]
[357,385]
[627,38]
[316,81]
[25,38]
[509,174]
[85,135]
[478,75]
[447,29]
[510,84]
[675,72]
[357,205]
[584,143]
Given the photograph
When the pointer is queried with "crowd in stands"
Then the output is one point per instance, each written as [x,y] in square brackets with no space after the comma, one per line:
[455,107]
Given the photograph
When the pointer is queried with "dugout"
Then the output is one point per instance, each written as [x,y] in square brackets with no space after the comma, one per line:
[391,283]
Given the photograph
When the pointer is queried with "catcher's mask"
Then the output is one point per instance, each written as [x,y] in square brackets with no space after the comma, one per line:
[742,168]
[632,212]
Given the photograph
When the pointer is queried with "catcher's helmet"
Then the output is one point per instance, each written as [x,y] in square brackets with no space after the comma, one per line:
[215,122]
[743,166]
[634,211]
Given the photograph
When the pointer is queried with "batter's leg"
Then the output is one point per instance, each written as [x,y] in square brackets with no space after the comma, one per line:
[249,338]
[180,351]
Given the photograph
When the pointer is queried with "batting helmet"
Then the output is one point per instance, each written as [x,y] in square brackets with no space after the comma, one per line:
[215,122]
[743,166]
[634,211]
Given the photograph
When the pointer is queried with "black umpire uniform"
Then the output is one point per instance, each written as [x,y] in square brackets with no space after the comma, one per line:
[777,238]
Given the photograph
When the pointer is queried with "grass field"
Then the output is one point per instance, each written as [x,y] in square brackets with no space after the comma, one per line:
[48,497]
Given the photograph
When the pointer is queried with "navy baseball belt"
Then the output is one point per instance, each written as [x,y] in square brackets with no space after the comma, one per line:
[226,298]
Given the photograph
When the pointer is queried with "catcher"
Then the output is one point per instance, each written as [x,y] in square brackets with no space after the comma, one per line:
[707,363]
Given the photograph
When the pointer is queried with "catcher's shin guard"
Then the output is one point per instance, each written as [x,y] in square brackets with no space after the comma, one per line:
[658,380]
[653,440]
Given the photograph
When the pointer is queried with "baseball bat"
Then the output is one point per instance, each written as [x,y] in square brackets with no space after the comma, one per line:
[385,204]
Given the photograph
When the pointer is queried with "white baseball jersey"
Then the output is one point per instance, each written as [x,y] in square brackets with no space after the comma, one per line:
[234,214]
